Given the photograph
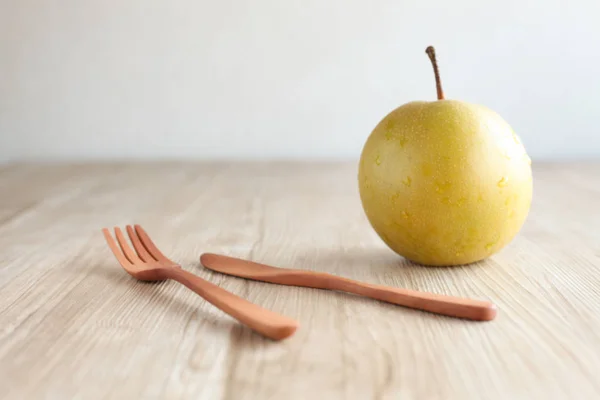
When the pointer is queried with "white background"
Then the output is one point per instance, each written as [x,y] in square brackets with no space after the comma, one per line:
[90,79]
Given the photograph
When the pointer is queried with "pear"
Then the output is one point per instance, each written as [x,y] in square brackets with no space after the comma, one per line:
[445,182]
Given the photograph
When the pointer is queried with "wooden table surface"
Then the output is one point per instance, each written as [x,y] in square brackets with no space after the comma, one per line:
[74,325]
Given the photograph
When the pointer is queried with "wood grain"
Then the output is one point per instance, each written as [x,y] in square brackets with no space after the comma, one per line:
[73,324]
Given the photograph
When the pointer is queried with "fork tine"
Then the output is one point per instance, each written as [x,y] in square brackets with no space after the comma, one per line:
[115,249]
[150,246]
[129,253]
[138,246]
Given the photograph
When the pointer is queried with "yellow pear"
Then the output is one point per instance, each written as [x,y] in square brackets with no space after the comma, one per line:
[445,182]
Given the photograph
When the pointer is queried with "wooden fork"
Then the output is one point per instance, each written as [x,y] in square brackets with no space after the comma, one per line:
[149,264]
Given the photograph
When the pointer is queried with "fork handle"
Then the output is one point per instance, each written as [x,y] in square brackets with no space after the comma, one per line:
[263,321]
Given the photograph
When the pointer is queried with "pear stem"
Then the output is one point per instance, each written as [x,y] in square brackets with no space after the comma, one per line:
[438,83]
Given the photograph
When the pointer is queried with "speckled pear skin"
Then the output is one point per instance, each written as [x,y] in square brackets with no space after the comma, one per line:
[445,182]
